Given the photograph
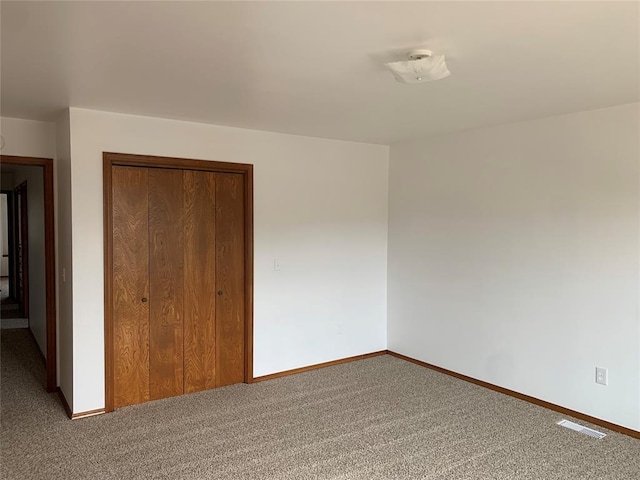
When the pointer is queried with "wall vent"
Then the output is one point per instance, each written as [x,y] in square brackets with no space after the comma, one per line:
[580,429]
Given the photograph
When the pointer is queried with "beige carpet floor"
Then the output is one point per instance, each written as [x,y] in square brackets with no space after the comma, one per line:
[380,418]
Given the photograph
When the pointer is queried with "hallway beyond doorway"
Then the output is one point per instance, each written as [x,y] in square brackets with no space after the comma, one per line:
[32,274]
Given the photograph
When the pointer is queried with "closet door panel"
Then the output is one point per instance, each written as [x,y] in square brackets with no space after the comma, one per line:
[130,285]
[229,279]
[166,283]
[199,280]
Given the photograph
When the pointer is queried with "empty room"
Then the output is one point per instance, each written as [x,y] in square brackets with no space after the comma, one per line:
[320,240]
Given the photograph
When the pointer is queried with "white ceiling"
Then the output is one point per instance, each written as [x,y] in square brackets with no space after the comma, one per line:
[316,68]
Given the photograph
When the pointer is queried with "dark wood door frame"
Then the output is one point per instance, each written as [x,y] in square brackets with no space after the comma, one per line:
[22,257]
[128,160]
[50,258]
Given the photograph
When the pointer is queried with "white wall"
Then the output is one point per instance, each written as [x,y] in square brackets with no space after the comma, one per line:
[320,207]
[34,176]
[64,285]
[28,138]
[514,257]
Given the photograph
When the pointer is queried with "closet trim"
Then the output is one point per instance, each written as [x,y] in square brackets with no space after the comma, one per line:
[128,160]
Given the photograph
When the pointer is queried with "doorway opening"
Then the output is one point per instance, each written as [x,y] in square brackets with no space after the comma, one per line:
[27,268]
[14,225]
[7,294]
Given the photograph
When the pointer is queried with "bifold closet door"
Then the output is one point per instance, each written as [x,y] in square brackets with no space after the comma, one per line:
[199,280]
[147,284]
[230,241]
[166,283]
[214,280]
[130,284]
[178,282]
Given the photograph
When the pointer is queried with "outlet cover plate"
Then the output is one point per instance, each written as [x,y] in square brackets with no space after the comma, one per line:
[602,376]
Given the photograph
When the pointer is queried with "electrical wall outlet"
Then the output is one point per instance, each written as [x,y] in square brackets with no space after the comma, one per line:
[602,376]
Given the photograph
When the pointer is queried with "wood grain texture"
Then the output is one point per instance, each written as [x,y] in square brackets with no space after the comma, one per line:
[166,279]
[107,212]
[111,160]
[248,274]
[130,285]
[178,163]
[230,255]
[199,280]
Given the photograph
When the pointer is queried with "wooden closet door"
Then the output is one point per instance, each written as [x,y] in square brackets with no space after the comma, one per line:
[130,285]
[166,283]
[199,280]
[229,248]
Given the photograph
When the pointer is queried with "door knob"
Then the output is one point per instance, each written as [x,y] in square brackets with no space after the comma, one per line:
[219,292]
[145,299]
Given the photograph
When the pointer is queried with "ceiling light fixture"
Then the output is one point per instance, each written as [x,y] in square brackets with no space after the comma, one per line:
[421,67]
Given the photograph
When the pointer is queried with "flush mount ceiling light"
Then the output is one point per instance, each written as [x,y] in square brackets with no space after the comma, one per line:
[421,67]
